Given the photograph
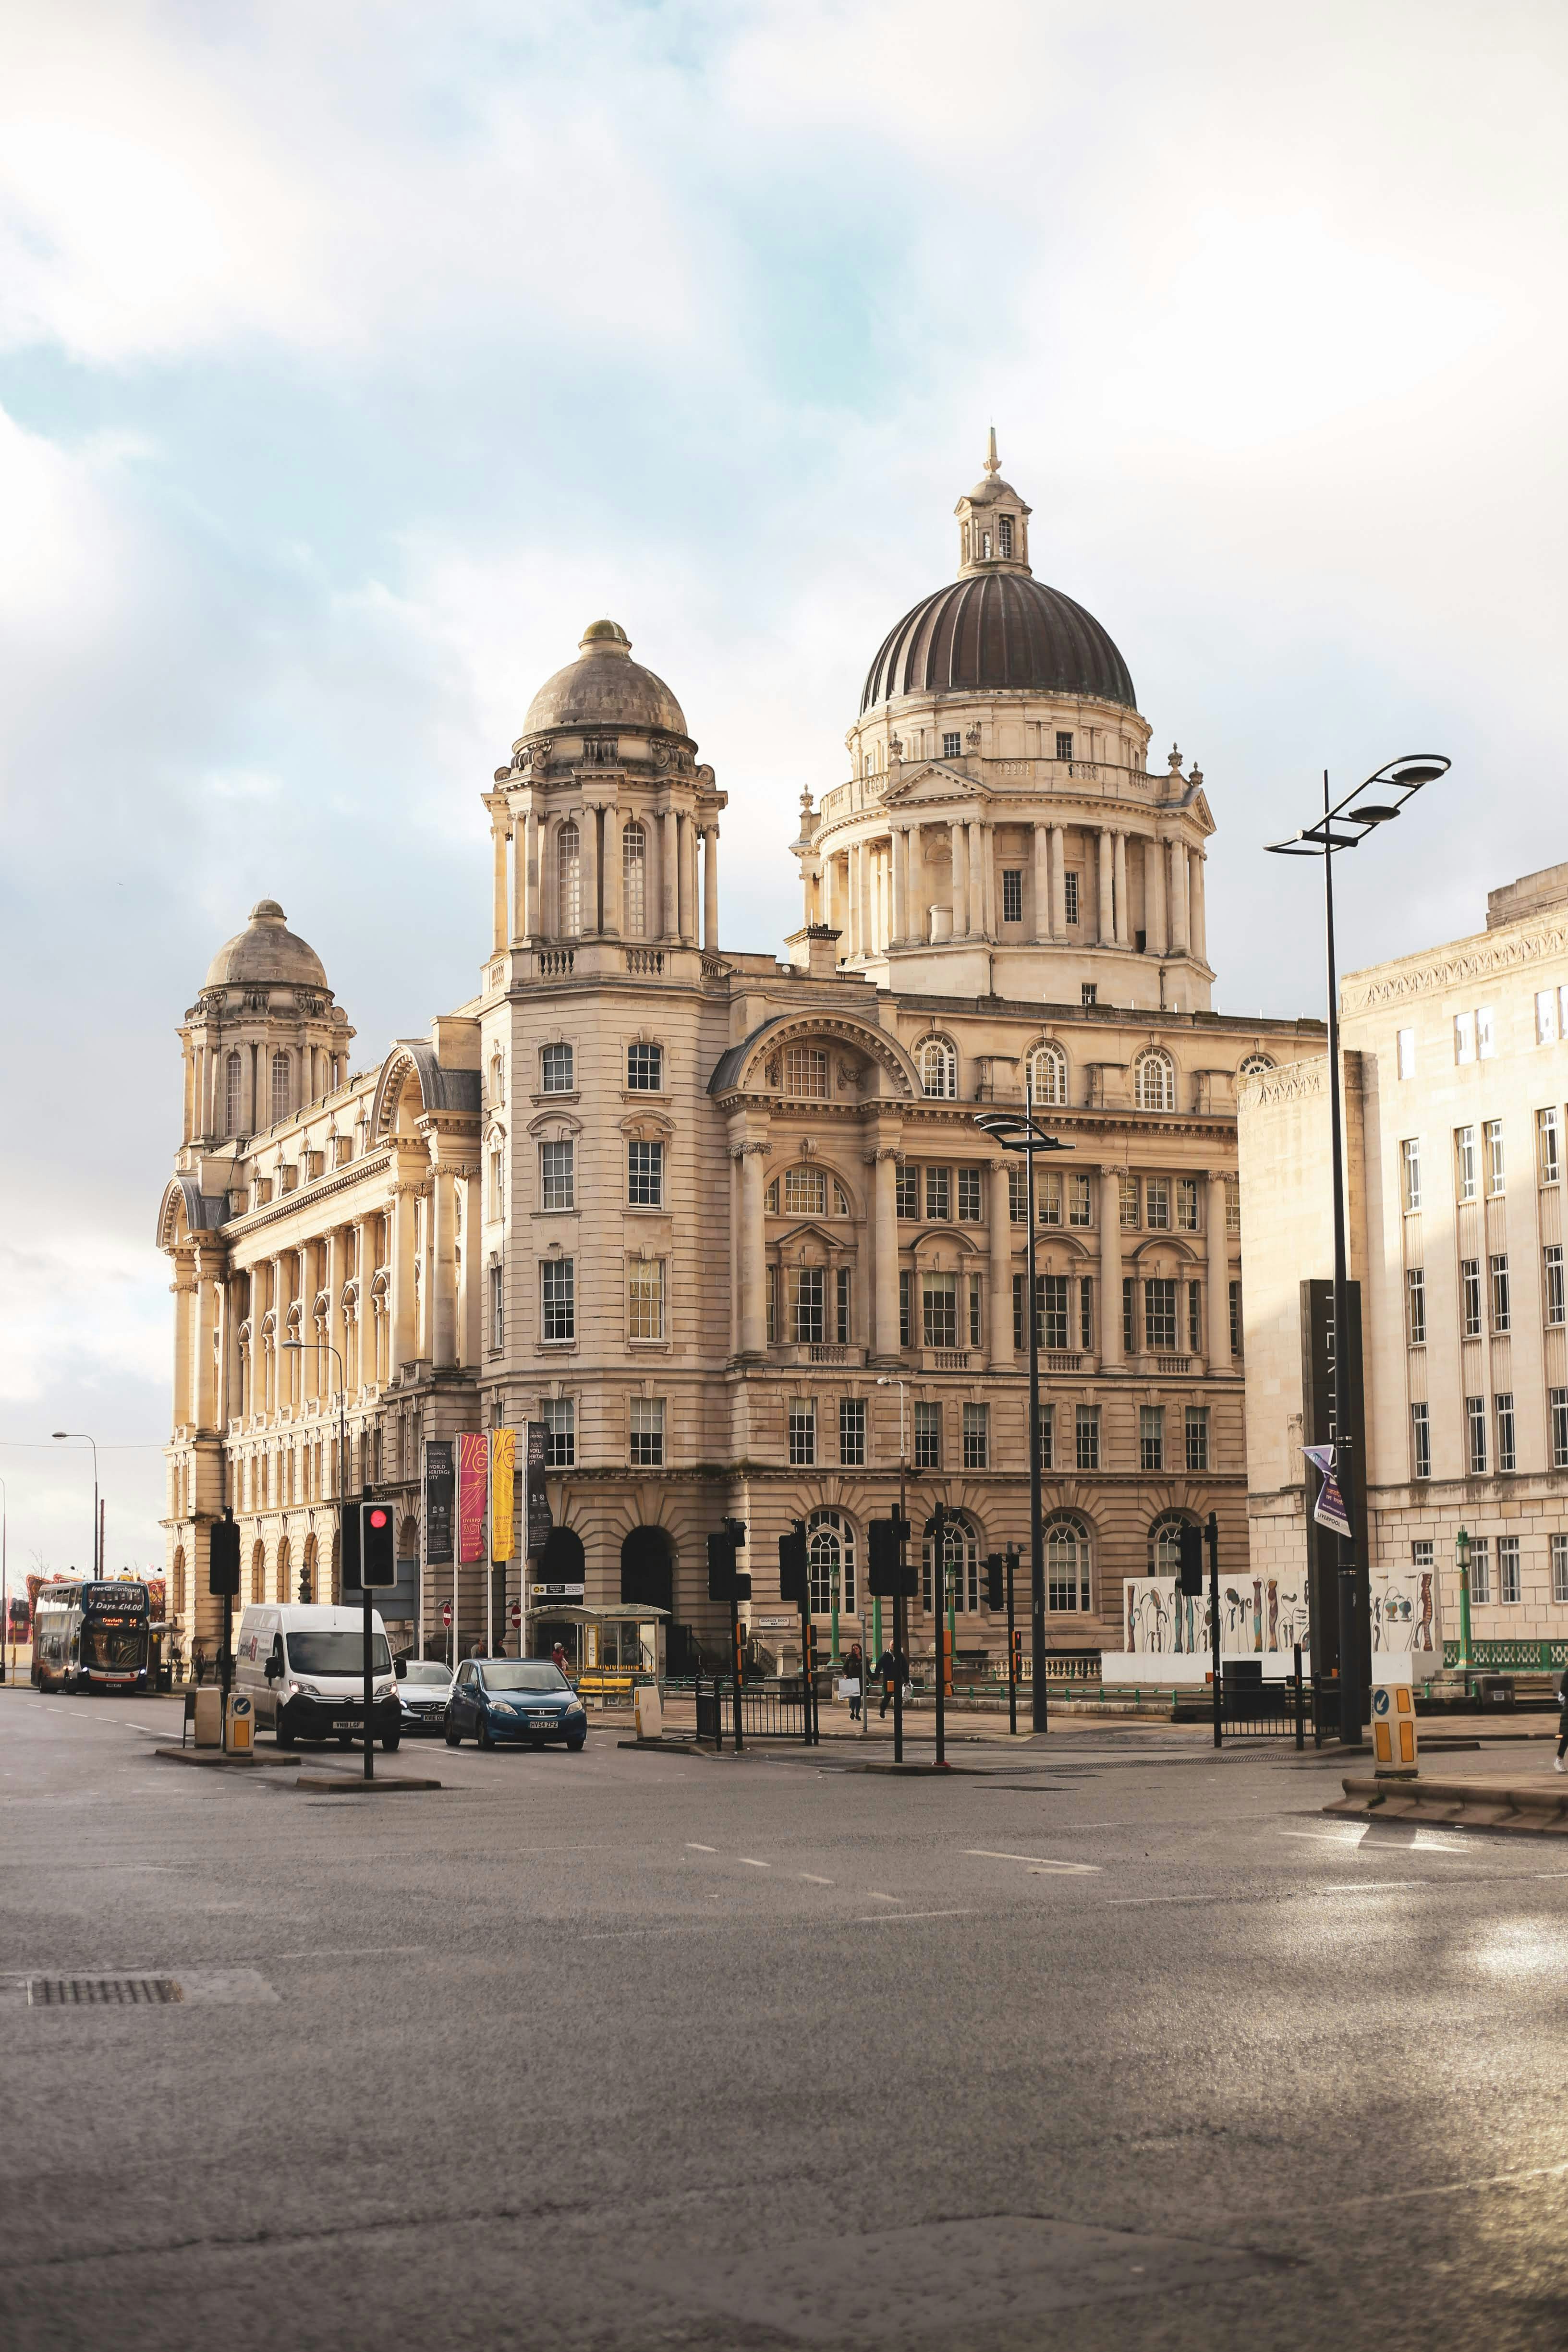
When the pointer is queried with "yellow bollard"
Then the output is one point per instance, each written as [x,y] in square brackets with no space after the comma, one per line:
[1393,1740]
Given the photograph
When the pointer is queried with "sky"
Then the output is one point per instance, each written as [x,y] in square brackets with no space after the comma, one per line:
[352,358]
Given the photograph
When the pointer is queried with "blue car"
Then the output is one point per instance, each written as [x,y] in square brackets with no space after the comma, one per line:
[521,1699]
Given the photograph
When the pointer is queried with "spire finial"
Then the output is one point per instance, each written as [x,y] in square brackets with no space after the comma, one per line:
[993,462]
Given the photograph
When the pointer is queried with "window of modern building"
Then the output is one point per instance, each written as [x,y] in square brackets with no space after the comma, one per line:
[1048,1076]
[559,1415]
[1464,1037]
[569,881]
[976,1436]
[1548,1146]
[1503,1404]
[951,745]
[805,1192]
[558,1298]
[645,1299]
[807,1304]
[1475,1435]
[1070,904]
[1465,1163]
[1130,1198]
[557,1176]
[939,1310]
[1551,1271]
[969,1209]
[634,881]
[938,1065]
[1186,1204]
[1064,744]
[1197,1438]
[1157,1203]
[939,1196]
[801,1432]
[1080,1201]
[852,1433]
[647,1432]
[830,1563]
[498,1306]
[806,1072]
[645,1175]
[1154,1082]
[907,1191]
[1502,1318]
[1160,1315]
[1560,1568]
[1496,1172]
[1420,1441]
[645,1069]
[906,1308]
[1012,894]
[1067,1566]
[556,1070]
[1085,1433]
[1470,1297]
[1048,1437]
[1486,1033]
[1150,1437]
[1410,1171]
[1405,1050]
[841,1298]
[1416,1306]
[928,1437]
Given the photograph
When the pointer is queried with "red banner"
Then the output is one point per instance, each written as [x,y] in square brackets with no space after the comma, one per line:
[473,1454]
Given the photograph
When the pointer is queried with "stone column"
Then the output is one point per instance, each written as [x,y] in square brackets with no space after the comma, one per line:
[1196,926]
[588,835]
[471,1303]
[710,887]
[533,924]
[885,1251]
[868,922]
[615,872]
[1001,1266]
[1219,1359]
[401,1338]
[335,1334]
[184,1289]
[670,873]
[752,1156]
[1176,900]
[901,882]
[1111,1354]
[956,834]
[1123,926]
[1059,882]
[978,926]
[497,846]
[1154,898]
[443,1321]
[1107,908]
[1040,839]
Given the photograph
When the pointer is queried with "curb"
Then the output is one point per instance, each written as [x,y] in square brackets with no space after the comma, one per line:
[1458,1805]
[686,1748]
[215,1756]
[320,1781]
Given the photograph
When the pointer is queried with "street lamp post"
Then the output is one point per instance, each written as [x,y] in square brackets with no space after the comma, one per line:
[1345,825]
[297,1347]
[1462,1561]
[82,1435]
[1026,1135]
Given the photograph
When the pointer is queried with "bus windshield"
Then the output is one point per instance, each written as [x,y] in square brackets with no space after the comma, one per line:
[115,1645]
[332,1653]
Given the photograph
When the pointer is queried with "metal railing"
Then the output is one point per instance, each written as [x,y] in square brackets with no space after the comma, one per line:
[773,1710]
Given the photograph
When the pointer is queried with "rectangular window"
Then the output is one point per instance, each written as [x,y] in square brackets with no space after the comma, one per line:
[1129,1316]
[556,1070]
[1557,1401]
[1410,1167]
[1233,1205]
[1481,1569]
[1018,1194]
[1464,1037]
[1552,1268]
[1128,1203]
[1486,1033]
[1048,1437]
[557,1176]
[1197,1438]
[1157,1204]
[645,1299]
[1080,1202]
[974,1289]
[1160,1315]
[852,1433]
[1470,1297]
[1496,1179]
[805,1192]
[1004,534]
[1416,1306]
[1018,1332]
[939,1196]
[907,1192]
[806,1288]
[1546,1016]
[802,1433]
[1086,1434]
[1475,1435]
[1420,1441]
[1012,894]
[1405,1044]
[559,1415]
[647,1432]
[498,1204]
[1150,1437]
[841,1305]
[969,1196]
[1194,1318]
[1064,744]
[1235,1320]
[939,1310]
[928,1437]
[1053,1288]
[558,1298]
[951,745]
[906,1308]
[498,1306]
[976,1436]
[1560,1568]
[1069,895]
[645,1069]
[1086,1311]
[645,1175]
[806,1072]
[1548,1147]
[1049,1196]
[1502,1306]
[771,1293]
[1503,1404]
[1186,1204]
[1464,1163]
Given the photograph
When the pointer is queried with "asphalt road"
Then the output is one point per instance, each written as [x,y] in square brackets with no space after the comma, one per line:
[1106,2042]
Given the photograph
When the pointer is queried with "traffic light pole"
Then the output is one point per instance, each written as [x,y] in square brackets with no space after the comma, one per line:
[1212,1532]
[369,1718]
[735,1660]
[1012,1646]
[939,1595]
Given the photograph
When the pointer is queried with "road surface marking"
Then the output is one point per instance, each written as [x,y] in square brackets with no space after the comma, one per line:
[872,1897]
[1369,1886]
[692,1847]
[1035,1861]
[812,1879]
[750,1864]
[898,1918]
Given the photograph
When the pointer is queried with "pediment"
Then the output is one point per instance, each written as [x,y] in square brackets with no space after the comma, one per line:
[934,785]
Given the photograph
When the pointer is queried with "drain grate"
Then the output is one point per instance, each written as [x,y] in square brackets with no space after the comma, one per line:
[105,1992]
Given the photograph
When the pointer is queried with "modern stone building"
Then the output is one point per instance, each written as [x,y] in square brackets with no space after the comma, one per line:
[1456,1092]
[723,1222]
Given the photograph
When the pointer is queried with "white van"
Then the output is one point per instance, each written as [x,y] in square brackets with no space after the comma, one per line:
[303,1668]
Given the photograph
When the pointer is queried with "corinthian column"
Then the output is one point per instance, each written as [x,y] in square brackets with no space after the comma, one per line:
[1154,898]
[497,846]
[753,1250]
[1107,886]
[670,873]
[1001,1266]
[1176,905]
[1111,1353]
[1196,926]
[1123,928]
[901,882]
[960,879]
[1218,1273]
[615,871]
[1059,882]
[1040,836]
[885,1251]
[710,887]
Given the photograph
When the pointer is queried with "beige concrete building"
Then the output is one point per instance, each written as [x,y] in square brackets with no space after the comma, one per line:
[721,1221]
[1455,1091]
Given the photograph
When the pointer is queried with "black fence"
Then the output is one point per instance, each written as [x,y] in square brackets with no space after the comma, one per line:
[1251,1708]
[771,1710]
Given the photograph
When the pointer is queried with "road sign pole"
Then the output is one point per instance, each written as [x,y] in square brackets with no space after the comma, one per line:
[365,1603]
[735,1660]
[1012,1646]
[1213,1534]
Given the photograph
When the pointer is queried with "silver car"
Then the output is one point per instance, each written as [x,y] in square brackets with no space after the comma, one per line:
[424,1687]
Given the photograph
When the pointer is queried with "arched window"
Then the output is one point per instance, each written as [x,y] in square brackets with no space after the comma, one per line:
[938,1066]
[569,881]
[1067,1565]
[258,1572]
[634,881]
[1048,1076]
[959,1580]
[233,1107]
[1154,1082]
[280,1105]
[1254,1066]
[1166,1543]
[830,1548]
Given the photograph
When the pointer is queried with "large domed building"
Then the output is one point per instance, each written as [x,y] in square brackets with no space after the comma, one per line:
[696,1223]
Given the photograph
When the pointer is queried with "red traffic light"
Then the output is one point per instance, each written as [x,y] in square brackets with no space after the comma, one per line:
[379,1519]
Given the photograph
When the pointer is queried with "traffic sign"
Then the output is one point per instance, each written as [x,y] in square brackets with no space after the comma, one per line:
[514,1614]
[447,1615]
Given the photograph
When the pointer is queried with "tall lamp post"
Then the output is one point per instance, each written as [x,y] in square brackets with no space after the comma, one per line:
[298,1348]
[1462,1561]
[1345,825]
[1027,1135]
[82,1435]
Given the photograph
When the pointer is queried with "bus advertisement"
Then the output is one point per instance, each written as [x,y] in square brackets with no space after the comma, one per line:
[91,1636]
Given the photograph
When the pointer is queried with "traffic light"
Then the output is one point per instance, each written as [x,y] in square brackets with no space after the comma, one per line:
[793,1566]
[1192,1558]
[349,1580]
[1017,1655]
[377,1545]
[736,1531]
[223,1556]
[995,1592]
[725,1582]
[886,1575]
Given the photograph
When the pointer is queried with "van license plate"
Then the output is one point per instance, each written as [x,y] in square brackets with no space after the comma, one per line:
[348,1723]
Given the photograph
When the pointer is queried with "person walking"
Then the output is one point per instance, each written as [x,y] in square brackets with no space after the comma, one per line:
[1557,1763]
[854,1672]
[887,1669]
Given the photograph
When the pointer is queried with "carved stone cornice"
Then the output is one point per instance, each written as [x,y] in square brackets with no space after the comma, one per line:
[1473,959]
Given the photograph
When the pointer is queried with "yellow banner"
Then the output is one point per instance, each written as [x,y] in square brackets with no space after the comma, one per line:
[503,1454]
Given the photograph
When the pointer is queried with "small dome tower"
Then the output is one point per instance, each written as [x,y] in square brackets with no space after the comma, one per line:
[263,1037]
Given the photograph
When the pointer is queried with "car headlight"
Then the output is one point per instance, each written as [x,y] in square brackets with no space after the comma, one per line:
[576,1708]
[302,1690]
[385,1690]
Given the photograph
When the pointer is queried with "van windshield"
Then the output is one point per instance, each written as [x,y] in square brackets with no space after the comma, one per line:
[330,1653]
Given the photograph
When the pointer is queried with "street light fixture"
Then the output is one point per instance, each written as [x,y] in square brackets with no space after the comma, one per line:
[82,1436]
[1026,1135]
[1344,825]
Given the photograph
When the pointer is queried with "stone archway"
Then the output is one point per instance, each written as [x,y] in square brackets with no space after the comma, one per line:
[647,1570]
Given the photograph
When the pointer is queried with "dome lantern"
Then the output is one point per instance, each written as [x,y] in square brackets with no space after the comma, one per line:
[992,523]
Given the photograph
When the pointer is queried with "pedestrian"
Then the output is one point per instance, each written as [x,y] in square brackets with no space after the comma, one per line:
[887,1669]
[558,1658]
[1557,1763]
[855,1674]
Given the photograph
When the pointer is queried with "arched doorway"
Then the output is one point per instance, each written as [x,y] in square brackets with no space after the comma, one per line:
[561,1562]
[647,1570]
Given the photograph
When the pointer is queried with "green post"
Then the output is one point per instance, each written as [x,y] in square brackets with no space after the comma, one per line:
[1462,1555]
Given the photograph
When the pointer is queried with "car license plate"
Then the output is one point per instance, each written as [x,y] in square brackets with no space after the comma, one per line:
[348,1723]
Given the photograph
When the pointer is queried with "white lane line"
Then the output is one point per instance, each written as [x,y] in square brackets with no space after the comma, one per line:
[812,1879]
[872,1897]
[1038,1862]
[1328,1837]
[750,1864]
[1368,1886]
[900,1918]
[692,1847]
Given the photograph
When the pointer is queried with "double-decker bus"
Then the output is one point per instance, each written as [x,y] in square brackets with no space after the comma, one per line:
[92,1637]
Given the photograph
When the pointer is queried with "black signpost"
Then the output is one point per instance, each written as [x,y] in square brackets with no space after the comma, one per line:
[223,1577]
[795,1584]
[1011,1556]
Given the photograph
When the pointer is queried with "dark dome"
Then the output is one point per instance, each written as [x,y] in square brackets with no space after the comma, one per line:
[998,629]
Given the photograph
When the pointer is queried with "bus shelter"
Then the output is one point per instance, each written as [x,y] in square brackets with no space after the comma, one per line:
[609,1651]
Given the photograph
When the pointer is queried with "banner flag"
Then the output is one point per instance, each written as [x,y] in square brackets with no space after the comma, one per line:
[472,1455]
[538,1502]
[438,1482]
[503,1458]
[1330,1508]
